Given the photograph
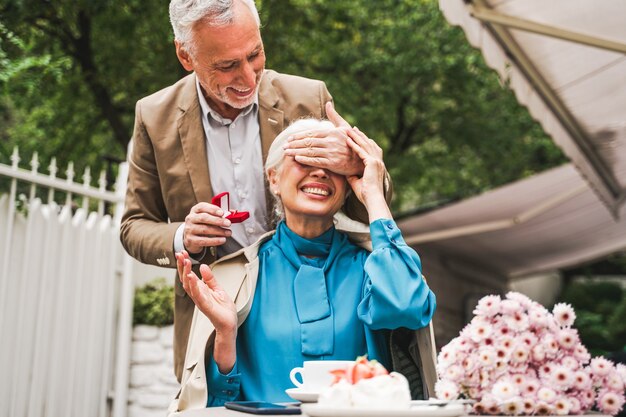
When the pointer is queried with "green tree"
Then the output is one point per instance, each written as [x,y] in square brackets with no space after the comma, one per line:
[400,72]
[71,71]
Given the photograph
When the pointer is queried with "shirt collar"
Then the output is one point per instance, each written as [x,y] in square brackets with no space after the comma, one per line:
[207,110]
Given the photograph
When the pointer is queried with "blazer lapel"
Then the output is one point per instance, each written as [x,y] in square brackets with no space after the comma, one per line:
[193,142]
[270,116]
[271,124]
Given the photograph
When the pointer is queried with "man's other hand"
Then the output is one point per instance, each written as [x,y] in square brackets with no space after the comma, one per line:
[326,148]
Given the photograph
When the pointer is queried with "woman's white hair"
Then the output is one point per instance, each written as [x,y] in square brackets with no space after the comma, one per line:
[185,13]
[276,153]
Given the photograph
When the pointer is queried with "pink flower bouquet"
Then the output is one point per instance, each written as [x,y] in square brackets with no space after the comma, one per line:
[517,358]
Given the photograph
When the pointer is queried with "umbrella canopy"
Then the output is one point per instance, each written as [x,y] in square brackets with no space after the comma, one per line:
[566,62]
[545,222]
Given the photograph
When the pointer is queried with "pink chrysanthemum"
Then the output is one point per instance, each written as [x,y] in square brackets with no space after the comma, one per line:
[547,395]
[488,306]
[543,409]
[574,405]
[469,364]
[512,407]
[562,406]
[510,306]
[520,354]
[504,390]
[614,382]
[581,353]
[581,380]
[447,356]
[538,353]
[601,366]
[537,317]
[528,406]
[568,338]
[520,359]
[480,331]
[446,390]
[564,314]
[528,339]
[454,373]
[610,402]
[570,362]
[531,387]
[520,298]
[562,377]
[519,380]
[518,321]
[487,356]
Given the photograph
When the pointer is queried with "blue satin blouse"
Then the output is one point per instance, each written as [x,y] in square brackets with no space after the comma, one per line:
[337,305]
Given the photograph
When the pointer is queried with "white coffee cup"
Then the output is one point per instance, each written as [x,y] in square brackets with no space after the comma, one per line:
[316,375]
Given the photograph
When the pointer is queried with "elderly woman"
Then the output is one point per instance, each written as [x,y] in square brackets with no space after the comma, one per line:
[304,292]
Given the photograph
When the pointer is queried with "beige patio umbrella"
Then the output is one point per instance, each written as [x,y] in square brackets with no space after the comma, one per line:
[566,62]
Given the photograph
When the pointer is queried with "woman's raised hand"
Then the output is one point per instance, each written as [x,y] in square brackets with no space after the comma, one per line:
[207,295]
[369,188]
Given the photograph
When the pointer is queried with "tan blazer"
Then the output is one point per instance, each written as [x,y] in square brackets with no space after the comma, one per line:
[169,173]
[237,274]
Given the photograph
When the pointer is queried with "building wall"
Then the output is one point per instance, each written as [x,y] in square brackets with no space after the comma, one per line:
[153,384]
[458,284]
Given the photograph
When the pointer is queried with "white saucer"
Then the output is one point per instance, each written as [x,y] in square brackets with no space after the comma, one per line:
[302,395]
[453,410]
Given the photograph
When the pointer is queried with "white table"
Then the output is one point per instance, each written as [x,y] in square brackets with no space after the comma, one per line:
[223,412]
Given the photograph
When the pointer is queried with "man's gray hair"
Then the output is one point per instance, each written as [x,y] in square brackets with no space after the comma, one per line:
[185,13]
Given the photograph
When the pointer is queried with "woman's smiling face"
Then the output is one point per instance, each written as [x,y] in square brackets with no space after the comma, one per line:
[309,195]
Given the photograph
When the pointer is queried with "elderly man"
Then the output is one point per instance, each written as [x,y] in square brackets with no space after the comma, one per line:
[209,133]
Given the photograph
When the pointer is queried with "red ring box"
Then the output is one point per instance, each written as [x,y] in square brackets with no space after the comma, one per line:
[222,200]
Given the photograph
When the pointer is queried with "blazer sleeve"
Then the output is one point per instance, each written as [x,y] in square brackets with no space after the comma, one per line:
[145,231]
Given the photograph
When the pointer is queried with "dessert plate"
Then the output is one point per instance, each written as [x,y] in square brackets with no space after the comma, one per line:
[452,410]
[302,395]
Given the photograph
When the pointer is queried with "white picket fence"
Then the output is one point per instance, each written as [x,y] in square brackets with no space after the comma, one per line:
[65,297]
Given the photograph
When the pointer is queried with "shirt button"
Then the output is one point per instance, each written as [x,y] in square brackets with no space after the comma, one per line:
[233,125]
[249,230]
[390,226]
[230,380]
[237,160]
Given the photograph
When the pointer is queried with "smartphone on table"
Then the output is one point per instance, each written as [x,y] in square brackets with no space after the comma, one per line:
[261,407]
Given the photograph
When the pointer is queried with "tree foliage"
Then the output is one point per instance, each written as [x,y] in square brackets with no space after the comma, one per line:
[71,71]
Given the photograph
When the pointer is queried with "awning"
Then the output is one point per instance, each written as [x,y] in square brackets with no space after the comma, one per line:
[546,222]
[566,62]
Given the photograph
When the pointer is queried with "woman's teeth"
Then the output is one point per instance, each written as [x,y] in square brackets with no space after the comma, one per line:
[318,191]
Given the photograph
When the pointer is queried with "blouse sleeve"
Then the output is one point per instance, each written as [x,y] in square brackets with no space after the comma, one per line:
[222,388]
[395,293]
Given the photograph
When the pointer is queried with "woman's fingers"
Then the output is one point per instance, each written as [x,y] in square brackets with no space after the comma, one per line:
[209,278]
[357,149]
[353,181]
[199,294]
[211,282]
